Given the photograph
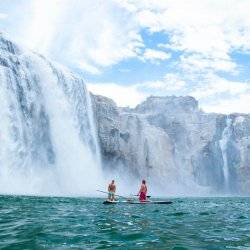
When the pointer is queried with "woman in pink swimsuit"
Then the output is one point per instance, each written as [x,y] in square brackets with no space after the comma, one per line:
[143,192]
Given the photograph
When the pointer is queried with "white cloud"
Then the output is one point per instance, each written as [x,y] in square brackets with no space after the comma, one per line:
[216,94]
[3,15]
[155,55]
[209,29]
[236,104]
[214,85]
[201,63]
[88,67]
[200,26]
[205,32]
[170,84]
[100,34]
[91,34]
[123,95]
[94,35]
[42,30]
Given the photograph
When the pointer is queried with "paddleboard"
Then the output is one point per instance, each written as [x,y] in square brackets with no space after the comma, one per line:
[137,202]
[151,202]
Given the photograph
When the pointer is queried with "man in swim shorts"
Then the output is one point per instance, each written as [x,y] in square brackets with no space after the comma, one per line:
[111,191]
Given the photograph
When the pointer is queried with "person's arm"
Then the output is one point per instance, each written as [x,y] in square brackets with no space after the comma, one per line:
[115,189]
[109,188]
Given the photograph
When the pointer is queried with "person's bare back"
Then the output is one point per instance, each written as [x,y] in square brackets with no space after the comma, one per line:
[143,188]
[111,187]
[111,191]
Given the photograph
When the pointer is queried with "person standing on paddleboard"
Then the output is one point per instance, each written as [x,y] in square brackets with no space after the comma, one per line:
[111,191]
[143,191]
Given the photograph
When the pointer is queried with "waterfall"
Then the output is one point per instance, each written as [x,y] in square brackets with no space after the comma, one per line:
[48,142]
[226,134]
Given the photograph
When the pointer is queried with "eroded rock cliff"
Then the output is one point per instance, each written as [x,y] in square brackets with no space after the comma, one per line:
[171,141]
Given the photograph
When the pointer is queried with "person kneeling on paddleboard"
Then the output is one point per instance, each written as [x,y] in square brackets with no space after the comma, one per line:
[111,191]
[143,192]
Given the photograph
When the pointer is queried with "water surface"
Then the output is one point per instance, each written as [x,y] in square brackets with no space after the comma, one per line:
[85,223]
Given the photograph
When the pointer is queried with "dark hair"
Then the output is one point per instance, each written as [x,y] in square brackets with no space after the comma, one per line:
[143,182]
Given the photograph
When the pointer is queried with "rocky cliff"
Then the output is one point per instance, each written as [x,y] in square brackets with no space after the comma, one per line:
[169,140]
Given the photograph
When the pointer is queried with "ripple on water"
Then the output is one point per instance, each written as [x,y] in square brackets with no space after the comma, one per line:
[177,214]
[204,213]
[241,217]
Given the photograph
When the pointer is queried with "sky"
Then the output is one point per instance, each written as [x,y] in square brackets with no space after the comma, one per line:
[129,50]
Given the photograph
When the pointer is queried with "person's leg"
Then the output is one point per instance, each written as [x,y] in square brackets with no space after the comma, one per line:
[141,197]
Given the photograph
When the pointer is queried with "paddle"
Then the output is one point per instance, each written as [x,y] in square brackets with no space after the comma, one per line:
[115,194]
[148,196]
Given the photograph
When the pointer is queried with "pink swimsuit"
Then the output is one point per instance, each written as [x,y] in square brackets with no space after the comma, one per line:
[142,196]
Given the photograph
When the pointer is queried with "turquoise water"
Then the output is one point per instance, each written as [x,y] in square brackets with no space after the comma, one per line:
[85,223]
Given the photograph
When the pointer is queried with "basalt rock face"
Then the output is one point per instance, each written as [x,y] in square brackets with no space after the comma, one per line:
[171,141]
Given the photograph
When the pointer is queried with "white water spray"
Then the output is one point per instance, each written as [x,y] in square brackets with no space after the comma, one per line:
[48,139]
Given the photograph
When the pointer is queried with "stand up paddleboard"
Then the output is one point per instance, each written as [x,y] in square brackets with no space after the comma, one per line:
[137,202]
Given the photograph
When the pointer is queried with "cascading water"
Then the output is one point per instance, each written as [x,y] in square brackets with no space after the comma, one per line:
[226,134]
[47,135]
